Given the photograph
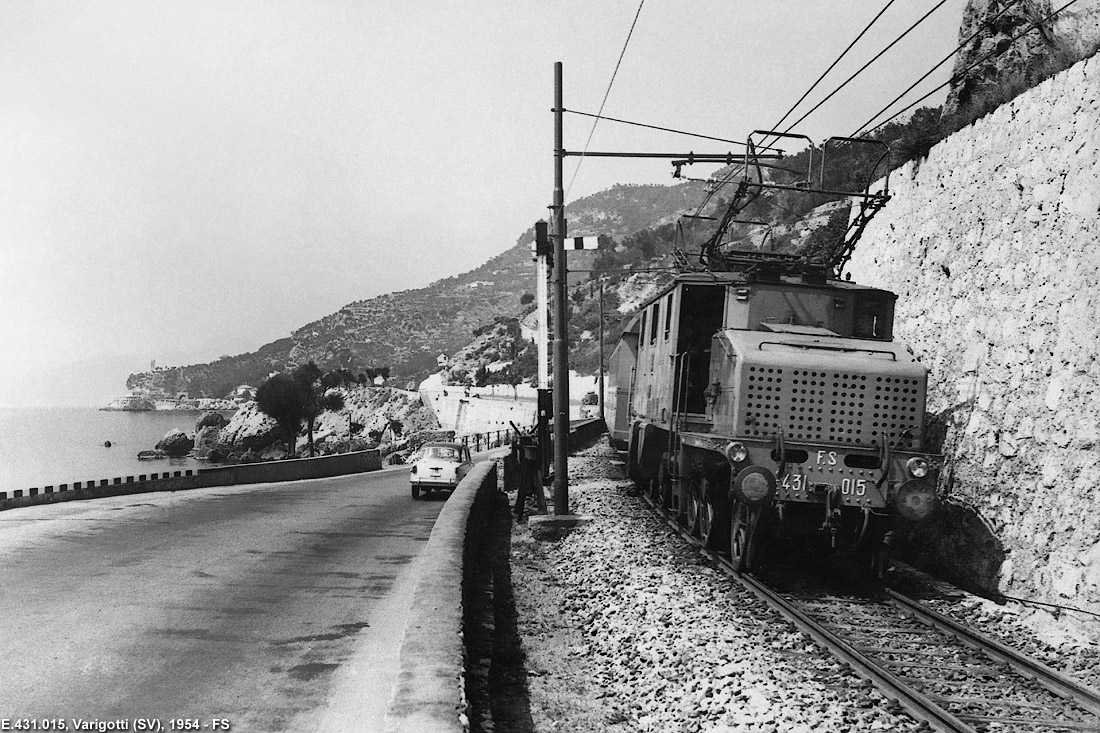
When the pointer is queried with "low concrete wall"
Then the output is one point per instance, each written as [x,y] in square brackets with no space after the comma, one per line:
[585,431]
[430,693]
[244,473]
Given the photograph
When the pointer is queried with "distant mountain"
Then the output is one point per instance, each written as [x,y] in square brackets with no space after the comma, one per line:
[407,330]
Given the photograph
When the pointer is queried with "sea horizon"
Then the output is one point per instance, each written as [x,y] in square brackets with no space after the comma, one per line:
[49,446]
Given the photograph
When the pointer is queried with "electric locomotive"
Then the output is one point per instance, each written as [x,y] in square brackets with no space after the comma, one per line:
[769,396]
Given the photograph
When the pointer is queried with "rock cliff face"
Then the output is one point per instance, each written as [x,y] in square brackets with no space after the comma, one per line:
[991,243]
[1056,43]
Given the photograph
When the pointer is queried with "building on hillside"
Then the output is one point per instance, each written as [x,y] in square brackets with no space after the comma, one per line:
[243,393]
[529,325]
[442,361]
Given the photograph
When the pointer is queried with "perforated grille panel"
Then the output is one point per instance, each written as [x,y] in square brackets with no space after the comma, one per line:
[829,406]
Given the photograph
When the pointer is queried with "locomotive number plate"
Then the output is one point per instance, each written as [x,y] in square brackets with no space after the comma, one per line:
[801,482]
[795,482]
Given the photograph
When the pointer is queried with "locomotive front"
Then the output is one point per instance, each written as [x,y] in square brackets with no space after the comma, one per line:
[814,416]
[818,420]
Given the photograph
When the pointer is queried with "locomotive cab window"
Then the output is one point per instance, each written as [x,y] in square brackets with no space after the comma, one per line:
[668,316]
[872,317]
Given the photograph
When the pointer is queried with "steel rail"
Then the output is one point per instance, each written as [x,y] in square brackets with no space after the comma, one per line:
[919,706]
[926,708]
[1049,678]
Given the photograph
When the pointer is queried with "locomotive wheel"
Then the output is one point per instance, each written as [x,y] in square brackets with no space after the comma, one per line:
[695,507]
[712,520]
[743,537]
[662,485]
[632,461]
[654,488]
[704,516]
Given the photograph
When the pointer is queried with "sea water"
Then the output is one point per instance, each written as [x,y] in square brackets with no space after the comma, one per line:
[52,446]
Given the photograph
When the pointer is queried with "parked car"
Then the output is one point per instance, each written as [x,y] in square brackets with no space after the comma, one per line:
[590,405]
[439,466]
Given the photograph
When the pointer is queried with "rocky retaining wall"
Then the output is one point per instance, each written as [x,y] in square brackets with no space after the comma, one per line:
[245,473]
[993,245]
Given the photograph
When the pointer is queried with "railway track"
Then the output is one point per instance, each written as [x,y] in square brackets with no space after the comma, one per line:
[951,677]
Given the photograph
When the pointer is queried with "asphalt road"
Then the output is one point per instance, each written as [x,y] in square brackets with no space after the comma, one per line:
[273,606]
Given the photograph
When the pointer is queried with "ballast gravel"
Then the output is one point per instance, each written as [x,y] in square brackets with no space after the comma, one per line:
[625,627]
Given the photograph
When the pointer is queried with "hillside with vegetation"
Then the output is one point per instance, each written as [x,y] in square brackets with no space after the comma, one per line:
[406,331]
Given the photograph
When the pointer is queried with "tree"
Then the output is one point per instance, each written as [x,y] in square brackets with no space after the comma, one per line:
[316,397]
[282,399]
[292,398]
[331,379]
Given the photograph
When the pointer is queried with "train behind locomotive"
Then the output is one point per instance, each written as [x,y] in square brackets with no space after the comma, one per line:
[752,397]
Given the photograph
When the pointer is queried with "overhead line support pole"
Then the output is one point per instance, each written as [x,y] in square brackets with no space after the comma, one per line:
[601,387]
[561,315]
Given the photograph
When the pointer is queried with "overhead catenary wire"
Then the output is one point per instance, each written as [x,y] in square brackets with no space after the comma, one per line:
[845,83]
[865,129]
[655,127]
[728,177]
[605,96]
[831,67]
[863,68]
[942,61]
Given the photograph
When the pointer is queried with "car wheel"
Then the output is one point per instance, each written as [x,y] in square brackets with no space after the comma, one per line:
[415,491]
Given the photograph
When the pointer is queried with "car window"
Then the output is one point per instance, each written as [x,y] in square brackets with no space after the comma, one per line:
[443,453]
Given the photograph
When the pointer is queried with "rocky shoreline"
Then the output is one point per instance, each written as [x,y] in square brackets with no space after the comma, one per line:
[373,417]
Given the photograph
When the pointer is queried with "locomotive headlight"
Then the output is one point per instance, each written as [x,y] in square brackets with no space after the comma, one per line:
[917,467]
[736,452]
[754,485]
[915,500]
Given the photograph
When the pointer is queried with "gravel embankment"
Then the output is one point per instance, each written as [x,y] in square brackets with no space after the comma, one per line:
[625,627]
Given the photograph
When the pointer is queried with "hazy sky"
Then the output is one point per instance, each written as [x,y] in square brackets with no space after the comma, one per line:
[182,180]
